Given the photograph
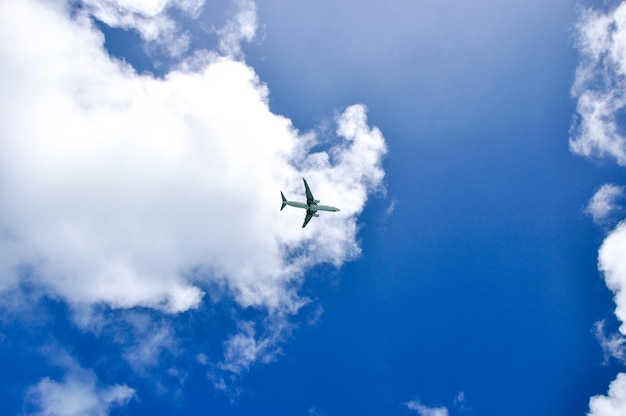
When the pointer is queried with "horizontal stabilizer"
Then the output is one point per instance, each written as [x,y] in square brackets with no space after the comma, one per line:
[284,200]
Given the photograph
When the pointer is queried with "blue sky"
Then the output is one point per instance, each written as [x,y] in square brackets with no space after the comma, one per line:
[476,151]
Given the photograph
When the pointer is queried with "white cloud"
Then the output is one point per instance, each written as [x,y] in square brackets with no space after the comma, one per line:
[423,410]
[314,411]
[460,403]
[612,346]
[124,190]
[391,208]
[604,202]
[149,339]
[600,85]
[242,27]
[612,262]
[244,348]
[149,18]
[613,404]
[78,394]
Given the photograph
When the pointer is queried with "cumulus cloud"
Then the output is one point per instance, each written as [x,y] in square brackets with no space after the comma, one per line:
[612,262]
[423,410]
[78,394]
[604,202]
[600,88]
[600,85]
[614,403]
[125,190]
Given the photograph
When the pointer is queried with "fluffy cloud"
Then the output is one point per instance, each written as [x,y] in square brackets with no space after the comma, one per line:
[125,190]
[612,262]
[614,404]
[77,395]
[600,85]
[604,202]
[423,410]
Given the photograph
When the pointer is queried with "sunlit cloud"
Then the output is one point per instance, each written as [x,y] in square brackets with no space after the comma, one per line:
[598,132]
[614,403]
[612,262]
[123,190]
[600,85]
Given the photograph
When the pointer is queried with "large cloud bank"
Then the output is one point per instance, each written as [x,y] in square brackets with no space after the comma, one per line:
[131,191]
[600,88]
[127,190]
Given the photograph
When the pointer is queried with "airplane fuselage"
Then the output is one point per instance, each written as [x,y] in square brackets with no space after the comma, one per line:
[312,207]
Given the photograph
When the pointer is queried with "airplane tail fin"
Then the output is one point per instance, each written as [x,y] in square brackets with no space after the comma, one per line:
[284,200]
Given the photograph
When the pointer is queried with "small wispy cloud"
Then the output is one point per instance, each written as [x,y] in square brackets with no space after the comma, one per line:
[423,410]
[314,411]
[605,202]
[245,347]
[613,345]
[391,208]
[460,403]
[151,19]
[241,28]
[149,340]
[77,393]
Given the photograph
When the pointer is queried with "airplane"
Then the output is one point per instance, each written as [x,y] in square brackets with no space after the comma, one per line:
[311,205]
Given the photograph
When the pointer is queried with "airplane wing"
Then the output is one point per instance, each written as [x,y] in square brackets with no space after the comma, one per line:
[309,196]
[308,217]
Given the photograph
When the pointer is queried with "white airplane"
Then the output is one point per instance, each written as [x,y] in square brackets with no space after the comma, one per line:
[310,206]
